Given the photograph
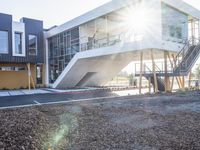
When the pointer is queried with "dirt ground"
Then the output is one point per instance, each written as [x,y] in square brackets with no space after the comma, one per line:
[170,121]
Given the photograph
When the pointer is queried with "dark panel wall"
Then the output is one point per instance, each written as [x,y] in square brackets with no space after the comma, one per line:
[6,25]
[34,27]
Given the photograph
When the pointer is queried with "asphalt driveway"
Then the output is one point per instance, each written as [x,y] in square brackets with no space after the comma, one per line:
[38,99]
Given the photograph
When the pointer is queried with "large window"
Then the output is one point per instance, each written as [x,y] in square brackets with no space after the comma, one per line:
[3,42]
[174,24]
[62,49]
[18,43]
[32,44]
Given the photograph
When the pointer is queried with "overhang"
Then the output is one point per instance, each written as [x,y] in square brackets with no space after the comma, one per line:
[115,5]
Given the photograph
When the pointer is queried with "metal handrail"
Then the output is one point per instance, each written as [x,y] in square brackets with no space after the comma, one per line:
[157,68]
[192,56]
[186,60]
[183,52]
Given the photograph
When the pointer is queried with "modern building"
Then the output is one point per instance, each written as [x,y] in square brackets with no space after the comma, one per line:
[94,47]
[21,52]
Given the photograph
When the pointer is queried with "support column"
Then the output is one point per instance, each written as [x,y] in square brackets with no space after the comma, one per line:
[199,29]
[149,80]
[154,72]
[189,81]
[172,85]
[167,79]
[193,31]
[183,82]
[141,72]
[172,67]
[178,79]
[30,78]
[29,74]
[33,83]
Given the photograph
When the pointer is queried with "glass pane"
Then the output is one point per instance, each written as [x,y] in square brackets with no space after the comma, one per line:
[174,24]
[32,44]
[61,48]
[18,43]
[3,42]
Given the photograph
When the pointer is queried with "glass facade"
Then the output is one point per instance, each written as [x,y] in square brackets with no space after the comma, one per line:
[32,44]
[111,29]
[174,24]
[3,42]
[18,43]
[62,49]
[101,32]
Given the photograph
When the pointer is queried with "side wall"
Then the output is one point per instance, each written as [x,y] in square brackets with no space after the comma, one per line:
[34,27]
[6,25]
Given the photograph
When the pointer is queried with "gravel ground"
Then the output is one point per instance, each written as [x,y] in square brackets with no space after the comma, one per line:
[170,121]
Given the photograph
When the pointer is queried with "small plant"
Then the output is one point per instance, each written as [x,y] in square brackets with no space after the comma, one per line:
[21,88]
[4,88]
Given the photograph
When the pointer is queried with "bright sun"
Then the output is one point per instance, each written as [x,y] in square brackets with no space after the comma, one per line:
[137,18]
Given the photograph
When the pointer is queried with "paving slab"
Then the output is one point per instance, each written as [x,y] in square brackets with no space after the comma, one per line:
[4,93]
[37,91]
[14,93]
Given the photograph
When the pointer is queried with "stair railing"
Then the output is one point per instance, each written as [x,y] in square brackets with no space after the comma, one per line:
[157,69]
[192,56]
[181,60]
[146,67]
[179,57]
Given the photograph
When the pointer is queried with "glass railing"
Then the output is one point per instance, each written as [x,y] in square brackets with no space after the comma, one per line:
[104,42]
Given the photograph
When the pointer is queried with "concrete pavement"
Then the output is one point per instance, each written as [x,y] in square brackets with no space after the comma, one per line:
[4,93]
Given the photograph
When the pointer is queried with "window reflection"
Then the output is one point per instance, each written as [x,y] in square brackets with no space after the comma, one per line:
[32,44]
[3,42]
[62,49]
[18,43]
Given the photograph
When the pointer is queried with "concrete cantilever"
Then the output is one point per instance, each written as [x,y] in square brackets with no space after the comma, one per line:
[96,67]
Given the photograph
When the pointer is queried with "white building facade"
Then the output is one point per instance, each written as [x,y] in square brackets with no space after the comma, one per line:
[91,49]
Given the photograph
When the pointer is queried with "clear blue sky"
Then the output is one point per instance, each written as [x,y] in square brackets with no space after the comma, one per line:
[54,12]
